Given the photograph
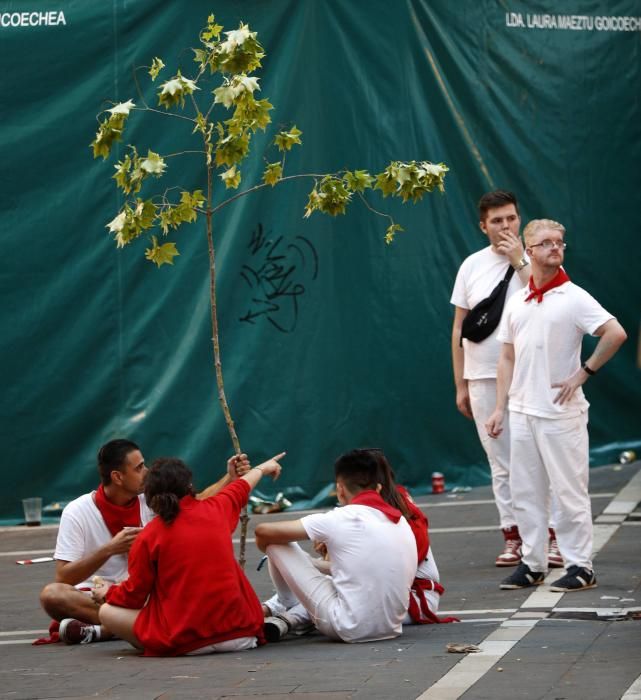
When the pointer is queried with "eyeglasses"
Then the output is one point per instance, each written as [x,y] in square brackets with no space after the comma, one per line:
[547,244]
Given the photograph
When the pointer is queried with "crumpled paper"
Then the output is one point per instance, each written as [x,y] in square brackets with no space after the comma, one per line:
[461,648]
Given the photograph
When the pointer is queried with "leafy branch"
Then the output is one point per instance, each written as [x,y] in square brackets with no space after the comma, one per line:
[233,113]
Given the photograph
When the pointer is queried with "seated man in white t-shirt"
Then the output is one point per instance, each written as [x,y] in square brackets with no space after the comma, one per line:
[95,534]
[373,560]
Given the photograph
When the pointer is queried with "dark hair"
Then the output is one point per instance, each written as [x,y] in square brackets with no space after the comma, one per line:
[112,456]
[494,200]
[167,481]
[358,470]
[388,492]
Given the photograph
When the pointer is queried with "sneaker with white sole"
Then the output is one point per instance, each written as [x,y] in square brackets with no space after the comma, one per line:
[555,560]
[511,554]
[523,577]
[577,578]
[74,631]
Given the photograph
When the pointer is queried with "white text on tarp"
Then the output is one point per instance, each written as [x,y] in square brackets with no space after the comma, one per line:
[49,18]
[599,23]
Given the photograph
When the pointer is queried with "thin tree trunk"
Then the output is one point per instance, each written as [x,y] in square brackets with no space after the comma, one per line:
[244,517]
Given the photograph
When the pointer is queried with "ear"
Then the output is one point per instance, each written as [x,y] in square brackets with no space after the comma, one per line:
[483,227]
[379,488]
[116,477]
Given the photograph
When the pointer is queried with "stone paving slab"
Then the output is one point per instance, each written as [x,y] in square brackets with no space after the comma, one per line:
[539,657]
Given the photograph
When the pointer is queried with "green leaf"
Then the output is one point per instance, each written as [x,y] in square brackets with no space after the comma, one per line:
[273,173]
[201,57]
[391,232]
[109,131]
[153,164]
[386,183]
[122,108]
[330,196]
[253,114]
[231,178]
[240,52]
[286,139]
[232,149]
[212,31]
[411,180]
[156,66]
[131,221]
[161,254]
[172,92]
[201,124]
[358,181]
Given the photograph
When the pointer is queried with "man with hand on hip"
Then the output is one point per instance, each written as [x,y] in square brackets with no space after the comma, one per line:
[540,369]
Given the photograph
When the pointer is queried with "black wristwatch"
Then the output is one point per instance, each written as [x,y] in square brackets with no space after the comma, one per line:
[591,372]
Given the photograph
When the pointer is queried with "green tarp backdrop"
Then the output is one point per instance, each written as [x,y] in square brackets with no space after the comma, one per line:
[330,338]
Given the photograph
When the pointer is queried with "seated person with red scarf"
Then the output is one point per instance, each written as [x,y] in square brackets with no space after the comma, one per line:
[95,535]
[426,588]
[373,562]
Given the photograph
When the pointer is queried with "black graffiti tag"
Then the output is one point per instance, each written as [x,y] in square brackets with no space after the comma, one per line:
[277,275]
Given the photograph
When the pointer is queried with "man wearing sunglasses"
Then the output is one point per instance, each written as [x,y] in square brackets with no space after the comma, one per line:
[541,371]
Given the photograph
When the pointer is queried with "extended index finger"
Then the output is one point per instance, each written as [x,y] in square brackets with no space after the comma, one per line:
[279,456]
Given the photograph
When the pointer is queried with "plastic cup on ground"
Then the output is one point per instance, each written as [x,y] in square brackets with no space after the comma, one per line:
[32,511]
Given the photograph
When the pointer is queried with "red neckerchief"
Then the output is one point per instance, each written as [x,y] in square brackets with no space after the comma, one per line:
[420,611]
[117,517]
[560,278]
[373,500]
[419,524]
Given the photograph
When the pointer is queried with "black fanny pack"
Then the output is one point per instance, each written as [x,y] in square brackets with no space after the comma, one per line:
[481,321]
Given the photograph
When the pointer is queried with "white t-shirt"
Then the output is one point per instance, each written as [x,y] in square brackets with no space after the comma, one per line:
[478,275]
[373,566]
[547,346]
[83,530]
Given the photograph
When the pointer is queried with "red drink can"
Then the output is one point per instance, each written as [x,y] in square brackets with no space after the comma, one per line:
[438,482]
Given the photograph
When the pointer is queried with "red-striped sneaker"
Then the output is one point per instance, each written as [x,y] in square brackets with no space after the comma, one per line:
[511,554]
[555,560]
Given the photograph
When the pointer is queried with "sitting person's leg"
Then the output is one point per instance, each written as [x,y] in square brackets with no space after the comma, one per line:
[297,580]
[76,612]
[121,622]
[61,600]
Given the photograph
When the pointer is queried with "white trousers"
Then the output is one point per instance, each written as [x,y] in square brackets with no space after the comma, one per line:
[238,644]
[551,454]
[483,401]
[306,593]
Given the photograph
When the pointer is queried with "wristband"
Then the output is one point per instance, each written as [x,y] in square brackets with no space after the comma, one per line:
[260,469]
[521,264]
[585,368]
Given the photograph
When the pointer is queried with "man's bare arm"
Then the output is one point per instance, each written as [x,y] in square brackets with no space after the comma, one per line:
[73,572]
[611,337]
[280,532]
[462,394]
[504,372]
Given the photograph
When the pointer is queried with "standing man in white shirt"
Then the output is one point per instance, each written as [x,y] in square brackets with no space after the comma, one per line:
[540,369]
[475,363]
[365,591]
